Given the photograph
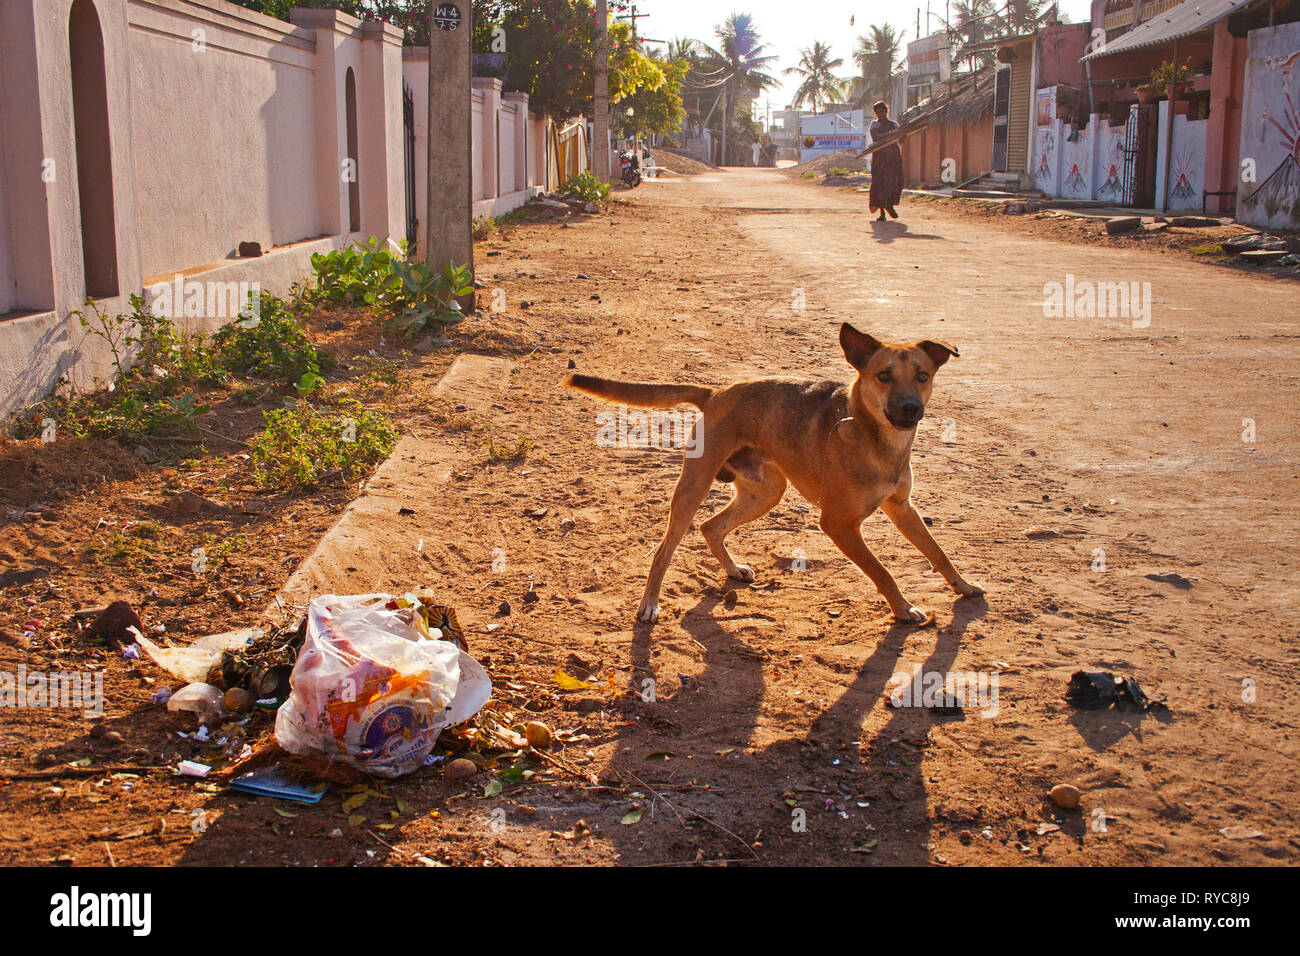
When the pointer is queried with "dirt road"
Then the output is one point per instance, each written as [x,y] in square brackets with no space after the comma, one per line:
[1154,453]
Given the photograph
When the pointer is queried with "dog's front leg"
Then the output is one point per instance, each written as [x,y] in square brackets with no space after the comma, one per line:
[847,535]
[907,520]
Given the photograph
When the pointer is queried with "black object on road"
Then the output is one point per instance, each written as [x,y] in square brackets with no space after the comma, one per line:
[1098,690]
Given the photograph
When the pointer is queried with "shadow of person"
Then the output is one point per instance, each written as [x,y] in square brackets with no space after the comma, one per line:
[886,231]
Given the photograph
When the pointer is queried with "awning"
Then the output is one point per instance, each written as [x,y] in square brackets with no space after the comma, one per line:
[1190,16]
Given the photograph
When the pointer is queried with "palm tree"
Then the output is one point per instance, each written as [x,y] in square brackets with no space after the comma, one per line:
[737,66]
[817,70]
[1025,16]
[876,55]
[683,48]
[975,21]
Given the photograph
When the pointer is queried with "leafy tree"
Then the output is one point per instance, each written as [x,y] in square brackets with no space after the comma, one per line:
[411,15]
[819,84]
[657,109]
[684,48]
[550,49]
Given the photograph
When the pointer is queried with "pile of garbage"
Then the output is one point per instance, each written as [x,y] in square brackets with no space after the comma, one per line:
[368,681]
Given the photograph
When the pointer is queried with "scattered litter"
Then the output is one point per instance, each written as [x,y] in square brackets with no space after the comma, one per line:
[275,781]
[198,698]
[160,696]
[192,768]
[373,688]
[568,681]
[131,652]
[194,662]
[1096,690]
[1239,832]
[1038,531]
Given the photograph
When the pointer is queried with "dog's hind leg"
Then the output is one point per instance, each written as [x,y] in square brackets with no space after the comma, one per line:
[692,488]
[752,500]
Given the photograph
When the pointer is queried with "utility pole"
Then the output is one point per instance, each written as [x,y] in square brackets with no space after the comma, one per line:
[600,105]
[449,182]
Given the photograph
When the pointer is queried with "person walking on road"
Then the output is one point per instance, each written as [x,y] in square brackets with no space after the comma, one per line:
[886,165]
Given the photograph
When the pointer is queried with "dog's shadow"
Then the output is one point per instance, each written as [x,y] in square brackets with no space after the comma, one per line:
[837,752]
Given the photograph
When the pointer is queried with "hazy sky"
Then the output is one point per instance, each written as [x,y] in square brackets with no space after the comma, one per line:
[787,26]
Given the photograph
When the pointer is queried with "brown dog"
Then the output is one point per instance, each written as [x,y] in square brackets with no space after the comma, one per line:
[847,449]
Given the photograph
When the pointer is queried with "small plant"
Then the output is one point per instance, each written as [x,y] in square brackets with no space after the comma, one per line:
[410,296]
[484,226]
[303,443]
[839,171]
[1166,74]
[345,276]
[586,187]
[808,174]
[422,300]
[509,451]
[271,344]
[161,351]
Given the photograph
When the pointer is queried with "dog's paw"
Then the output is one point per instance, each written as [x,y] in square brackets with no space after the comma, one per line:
[966,588]
[741,572]
[917,616]
[648,612]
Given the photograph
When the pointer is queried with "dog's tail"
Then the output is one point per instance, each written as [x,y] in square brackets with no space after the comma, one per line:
[639,395]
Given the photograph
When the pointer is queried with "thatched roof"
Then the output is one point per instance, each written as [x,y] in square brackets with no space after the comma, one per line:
[964,100]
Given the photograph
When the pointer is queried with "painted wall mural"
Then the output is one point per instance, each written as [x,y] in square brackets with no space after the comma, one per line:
[1076,162]
[1270,129]
[1186,172]
[1043,167]
[1108,172]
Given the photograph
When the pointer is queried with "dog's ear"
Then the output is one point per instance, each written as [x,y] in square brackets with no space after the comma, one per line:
[858,346]
[939,352]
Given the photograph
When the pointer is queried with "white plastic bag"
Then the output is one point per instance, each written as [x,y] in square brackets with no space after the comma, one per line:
[373,688]
[192,662]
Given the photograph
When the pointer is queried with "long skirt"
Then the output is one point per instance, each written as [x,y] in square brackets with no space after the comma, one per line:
[886,178]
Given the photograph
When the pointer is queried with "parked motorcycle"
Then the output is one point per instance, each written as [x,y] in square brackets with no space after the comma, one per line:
[630,164]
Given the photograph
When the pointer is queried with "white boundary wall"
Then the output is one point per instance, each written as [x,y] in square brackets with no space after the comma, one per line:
[224,126]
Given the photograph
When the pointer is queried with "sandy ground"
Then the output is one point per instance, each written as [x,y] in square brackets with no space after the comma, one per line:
[769,738]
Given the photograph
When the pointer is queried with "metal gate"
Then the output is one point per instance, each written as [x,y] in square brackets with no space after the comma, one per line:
[1139,168]
[408,138]
[1001,112]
